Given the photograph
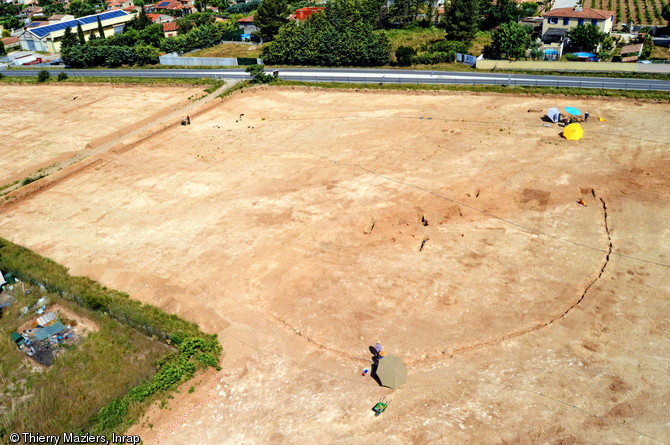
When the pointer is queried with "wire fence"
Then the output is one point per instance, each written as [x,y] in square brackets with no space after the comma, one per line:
[120,315]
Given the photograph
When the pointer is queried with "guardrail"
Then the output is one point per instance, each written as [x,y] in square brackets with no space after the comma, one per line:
[436,78]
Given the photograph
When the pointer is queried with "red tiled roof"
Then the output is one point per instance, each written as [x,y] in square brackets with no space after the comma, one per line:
[153,17]
[249,19]
[9,40]
[304,13]
[629,59]
[585,13]
[170,26]
[172,5]
[631,49]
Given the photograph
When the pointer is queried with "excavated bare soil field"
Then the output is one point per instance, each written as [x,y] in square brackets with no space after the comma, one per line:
[43,124]
[303,226]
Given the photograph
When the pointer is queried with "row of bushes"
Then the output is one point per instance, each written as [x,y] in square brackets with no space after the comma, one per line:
[443,51]
[195,349]
[88,56]
[141,47]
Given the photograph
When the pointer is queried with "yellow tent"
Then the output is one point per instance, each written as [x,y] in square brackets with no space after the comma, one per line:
[573,132]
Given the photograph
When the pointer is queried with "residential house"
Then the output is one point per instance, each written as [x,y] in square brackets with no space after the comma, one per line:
[557,22]
[247,26]
[33,10]
[160,18]
[11,43]
[119,4]
[47,37]
[181,7]
[60,18]
[170,29]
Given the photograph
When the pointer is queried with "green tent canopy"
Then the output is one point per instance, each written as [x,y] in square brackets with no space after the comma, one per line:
[391,371]
[16,338]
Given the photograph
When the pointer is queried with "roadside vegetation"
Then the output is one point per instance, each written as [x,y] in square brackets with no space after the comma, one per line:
[241,50]
[205,81]
[109,410]
[523,90]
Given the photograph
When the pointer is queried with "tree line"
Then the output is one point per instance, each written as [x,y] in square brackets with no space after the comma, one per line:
[351,32]
[141,41]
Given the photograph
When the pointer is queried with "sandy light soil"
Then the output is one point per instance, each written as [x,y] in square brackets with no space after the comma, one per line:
[44,123]
[524,318]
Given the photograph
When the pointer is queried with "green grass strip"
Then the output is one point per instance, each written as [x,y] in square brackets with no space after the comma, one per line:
[635,94]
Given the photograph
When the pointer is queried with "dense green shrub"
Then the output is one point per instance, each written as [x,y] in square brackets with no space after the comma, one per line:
[404,55]
[62,76]
[258,74]
[243,8]
[43,76]
[647,48]
[434,58]
[445,46]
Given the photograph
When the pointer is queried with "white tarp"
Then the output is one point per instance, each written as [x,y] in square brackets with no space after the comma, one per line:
[2,279]
[465,58]
[46,319]
[554,114]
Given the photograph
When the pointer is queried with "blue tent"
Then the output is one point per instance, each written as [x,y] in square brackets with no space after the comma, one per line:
[572,110]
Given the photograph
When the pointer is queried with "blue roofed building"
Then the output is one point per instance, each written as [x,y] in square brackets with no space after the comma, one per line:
[47,37]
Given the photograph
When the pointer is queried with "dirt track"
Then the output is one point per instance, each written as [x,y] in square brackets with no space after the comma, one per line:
[518,324]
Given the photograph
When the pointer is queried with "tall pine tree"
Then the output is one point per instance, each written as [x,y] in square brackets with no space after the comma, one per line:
[100,30]
[80,34]
[271,15]
[462,19]
[69,40]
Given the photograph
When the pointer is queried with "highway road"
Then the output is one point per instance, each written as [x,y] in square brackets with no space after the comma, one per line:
[378,76]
